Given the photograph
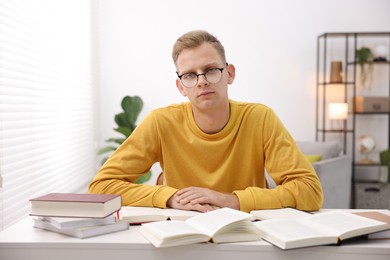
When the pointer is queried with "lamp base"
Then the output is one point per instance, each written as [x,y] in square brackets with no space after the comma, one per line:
[366,161]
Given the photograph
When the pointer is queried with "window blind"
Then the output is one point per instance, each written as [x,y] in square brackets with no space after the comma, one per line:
[46,101]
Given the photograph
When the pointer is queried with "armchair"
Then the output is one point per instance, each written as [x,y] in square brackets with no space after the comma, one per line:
[334,171]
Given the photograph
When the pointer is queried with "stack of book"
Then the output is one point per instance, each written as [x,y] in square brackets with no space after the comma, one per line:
[78,215]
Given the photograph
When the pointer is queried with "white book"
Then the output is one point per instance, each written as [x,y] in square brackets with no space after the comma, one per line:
[218,226]
[288,213]
[64,223]
[83,232]
[318,229]
[137,215]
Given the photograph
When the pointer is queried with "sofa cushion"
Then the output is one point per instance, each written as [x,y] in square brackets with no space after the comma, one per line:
[313,157]
[325,149]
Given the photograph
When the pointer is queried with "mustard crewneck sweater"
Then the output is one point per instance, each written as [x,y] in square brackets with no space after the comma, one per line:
[230,161]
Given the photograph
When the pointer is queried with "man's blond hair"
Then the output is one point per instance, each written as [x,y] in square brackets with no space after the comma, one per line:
[194,39]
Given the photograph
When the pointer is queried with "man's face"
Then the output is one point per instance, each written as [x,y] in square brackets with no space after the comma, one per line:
[204,95]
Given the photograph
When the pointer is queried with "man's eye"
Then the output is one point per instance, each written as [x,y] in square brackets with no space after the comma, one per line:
[212,71]
[189,76]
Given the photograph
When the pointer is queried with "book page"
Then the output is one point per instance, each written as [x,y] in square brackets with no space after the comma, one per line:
[292,233]
[171,233]
[375,215]
[142,214]
[147,214]
[345,224]
[178,214]
[288,213]
[212,221]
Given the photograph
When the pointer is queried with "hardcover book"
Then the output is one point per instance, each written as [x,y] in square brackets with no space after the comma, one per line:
[76,205]
[83,232]
[65,222]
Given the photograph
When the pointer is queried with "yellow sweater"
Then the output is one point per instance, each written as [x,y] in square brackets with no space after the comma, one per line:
[231,161]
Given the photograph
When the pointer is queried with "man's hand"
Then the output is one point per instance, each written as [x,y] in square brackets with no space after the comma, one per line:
[173,203]
[194,196]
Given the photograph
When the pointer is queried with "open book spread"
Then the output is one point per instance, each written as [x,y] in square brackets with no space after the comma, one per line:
[218,226]
[318,229]
[137,215]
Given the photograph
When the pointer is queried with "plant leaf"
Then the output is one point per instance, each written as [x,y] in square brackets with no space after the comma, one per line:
[144,177]
[132,107]
[116,140]
[124,130]
[103,161]
[106,149]
[122,119]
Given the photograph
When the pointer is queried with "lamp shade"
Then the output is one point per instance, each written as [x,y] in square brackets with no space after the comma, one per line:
[338,110]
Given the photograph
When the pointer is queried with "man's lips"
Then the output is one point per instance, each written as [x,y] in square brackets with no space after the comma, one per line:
[205,93]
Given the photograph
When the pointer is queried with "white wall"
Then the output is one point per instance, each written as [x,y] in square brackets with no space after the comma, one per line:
[271,43]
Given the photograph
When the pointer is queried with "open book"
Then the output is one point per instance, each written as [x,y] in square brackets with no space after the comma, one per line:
[218,226]
[318,229]
[377,216]
[137,215]
[288,213]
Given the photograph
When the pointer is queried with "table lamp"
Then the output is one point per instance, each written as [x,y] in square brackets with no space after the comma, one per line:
[338,112]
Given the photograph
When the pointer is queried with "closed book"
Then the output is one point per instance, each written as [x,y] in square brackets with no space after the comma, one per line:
[64,223]
[76,205]
[83,232]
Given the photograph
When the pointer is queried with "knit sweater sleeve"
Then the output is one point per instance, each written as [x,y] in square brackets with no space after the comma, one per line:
[297,183]
[131,160]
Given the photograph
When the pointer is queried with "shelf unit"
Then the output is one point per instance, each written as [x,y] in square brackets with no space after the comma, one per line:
[342,46]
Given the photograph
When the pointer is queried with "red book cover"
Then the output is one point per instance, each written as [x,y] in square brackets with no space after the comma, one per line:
[76,205]
[76,197]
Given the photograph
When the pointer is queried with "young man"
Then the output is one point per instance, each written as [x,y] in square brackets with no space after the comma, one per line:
[213,150]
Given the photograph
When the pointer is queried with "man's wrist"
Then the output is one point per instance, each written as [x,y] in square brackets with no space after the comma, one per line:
[235,202]
[170,202]
[162,195]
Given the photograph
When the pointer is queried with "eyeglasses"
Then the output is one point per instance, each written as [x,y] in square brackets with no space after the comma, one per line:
[189,80]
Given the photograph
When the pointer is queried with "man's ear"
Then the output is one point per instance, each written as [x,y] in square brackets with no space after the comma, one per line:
[232,73]
[180,88]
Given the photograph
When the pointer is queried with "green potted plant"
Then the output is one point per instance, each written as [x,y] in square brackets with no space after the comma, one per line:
[132,106]
[364,56]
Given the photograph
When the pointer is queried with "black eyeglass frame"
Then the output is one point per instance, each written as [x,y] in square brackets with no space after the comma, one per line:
[200,74]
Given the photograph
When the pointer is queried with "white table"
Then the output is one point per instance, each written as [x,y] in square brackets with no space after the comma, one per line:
[22,241]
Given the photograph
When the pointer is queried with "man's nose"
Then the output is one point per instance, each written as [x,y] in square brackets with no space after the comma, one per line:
[202,80]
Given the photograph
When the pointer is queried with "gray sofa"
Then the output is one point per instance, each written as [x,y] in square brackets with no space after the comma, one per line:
[334,171]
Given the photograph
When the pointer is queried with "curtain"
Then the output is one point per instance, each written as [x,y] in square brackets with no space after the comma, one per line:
[47,118]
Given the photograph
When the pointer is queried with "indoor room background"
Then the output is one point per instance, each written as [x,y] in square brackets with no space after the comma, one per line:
[271,43]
